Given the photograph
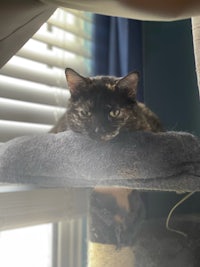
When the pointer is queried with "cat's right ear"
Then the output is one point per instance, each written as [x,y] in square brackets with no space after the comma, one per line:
[75,81]
[129,84]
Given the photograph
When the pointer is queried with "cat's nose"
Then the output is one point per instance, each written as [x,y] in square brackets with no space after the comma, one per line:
[99,130]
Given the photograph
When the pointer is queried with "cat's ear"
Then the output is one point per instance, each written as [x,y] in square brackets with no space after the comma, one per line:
[129,83]
[75,81]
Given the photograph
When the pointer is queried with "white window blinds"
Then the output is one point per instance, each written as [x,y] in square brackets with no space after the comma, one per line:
[33,89]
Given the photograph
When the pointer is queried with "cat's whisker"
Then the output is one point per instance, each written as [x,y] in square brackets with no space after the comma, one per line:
[96,130]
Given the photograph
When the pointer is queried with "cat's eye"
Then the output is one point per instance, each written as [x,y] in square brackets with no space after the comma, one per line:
[85,113]
[114,113]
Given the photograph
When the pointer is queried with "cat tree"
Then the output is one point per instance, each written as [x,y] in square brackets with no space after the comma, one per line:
[144,161]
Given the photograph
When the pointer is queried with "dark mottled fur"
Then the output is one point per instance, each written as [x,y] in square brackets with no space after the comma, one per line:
[102,107]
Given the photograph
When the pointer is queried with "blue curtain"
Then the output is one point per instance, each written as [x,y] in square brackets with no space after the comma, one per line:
[118,47]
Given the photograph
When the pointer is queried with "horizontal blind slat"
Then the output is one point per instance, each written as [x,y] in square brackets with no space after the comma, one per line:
[12,129]
[52,59]
[48,57]
[79,32]
[73,47]
[32,92]
[29,112]
[50,77]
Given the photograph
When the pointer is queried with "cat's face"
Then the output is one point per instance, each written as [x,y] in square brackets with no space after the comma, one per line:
[100,106]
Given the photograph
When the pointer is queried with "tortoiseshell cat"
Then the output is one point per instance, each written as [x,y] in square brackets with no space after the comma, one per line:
[104,106]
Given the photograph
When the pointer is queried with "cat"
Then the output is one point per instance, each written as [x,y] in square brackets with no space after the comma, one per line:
[104,106]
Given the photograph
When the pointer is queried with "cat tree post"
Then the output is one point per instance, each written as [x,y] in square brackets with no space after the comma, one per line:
[115,214]
[107,255]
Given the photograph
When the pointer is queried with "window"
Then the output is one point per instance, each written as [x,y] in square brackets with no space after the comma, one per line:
[33,95]
[30,246]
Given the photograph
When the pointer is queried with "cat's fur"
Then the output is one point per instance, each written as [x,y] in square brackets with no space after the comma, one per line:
[104,106]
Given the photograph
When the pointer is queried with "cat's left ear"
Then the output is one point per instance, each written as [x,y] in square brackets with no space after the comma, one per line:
[75,81]
[129,83]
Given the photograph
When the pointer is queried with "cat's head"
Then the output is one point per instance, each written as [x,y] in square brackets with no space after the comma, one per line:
[100,106]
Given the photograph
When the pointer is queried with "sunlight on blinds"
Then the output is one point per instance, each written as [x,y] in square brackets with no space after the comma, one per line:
[33,88]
